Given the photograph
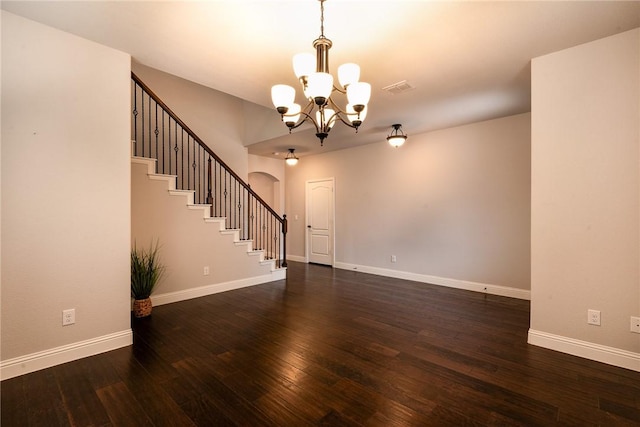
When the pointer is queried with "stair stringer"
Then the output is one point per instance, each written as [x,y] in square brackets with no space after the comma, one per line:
[190,239]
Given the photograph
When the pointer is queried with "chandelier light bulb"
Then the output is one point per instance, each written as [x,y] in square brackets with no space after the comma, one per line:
[282,97]
[396,141]
[348,73]
[359,94]
[320,86]
[304,64]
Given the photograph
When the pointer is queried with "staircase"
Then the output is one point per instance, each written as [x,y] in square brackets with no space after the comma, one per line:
[180,170]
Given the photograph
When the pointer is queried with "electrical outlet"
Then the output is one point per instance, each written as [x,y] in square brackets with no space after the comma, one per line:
[635,324]
[593,317]
[68,317]
[206,271]
[393,258]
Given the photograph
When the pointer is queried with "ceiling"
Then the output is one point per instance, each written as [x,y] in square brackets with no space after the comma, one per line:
[465,61]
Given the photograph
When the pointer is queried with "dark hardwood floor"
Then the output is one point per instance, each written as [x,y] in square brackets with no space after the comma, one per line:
[329,347]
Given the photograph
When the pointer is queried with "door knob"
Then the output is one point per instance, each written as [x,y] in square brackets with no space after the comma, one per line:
[308,226]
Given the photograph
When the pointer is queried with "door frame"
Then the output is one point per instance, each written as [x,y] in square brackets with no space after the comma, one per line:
[332,235]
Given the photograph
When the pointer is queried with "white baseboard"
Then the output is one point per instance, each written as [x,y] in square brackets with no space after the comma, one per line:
[588,350]
[202,291]
[441,281]
[296,258]
[67,353]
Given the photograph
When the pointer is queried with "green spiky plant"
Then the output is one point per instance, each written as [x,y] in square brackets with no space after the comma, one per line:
[146,271]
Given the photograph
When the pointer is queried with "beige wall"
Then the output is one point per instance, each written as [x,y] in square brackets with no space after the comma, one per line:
[585,226]
[450,204]
[65,189]
[217,118]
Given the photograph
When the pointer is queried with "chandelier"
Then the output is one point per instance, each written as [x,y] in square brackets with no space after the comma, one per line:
[318,86]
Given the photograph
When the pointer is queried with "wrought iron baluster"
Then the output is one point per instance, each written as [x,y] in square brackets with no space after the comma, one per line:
[193,165]
[169,144]
[135,118]
[225,201]
[149,123]
[274,238]
[142,124]
[249,214]
[238,205]
[163,151]
[181,164]
[209,194]
[283,232]
[156,131]
[203,179]
[201,197]
[247,209]
[216,186]
[188,164]
[261,229]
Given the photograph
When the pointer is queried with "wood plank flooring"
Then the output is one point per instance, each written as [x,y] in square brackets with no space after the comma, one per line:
[332,348]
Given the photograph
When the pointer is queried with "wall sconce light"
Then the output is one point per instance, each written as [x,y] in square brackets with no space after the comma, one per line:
[291,158]
[396,138]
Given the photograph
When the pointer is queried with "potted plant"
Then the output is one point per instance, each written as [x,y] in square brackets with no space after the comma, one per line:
[146,270]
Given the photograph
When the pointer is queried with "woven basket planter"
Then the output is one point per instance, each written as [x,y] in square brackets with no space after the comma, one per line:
[142,307]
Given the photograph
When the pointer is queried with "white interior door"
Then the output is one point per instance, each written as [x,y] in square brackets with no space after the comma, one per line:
[320,221]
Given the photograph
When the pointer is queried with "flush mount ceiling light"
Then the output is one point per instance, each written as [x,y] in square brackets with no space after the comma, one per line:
[291,158]
[396,138]
[317,86]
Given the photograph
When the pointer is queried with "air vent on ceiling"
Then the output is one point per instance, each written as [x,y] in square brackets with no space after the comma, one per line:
[399,87]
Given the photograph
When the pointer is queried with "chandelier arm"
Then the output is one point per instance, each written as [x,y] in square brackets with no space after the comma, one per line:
[339,112]
[335,106]
[346,122]
[337,89]
[333,116]
[307,117]
[307,113]
[307,109]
